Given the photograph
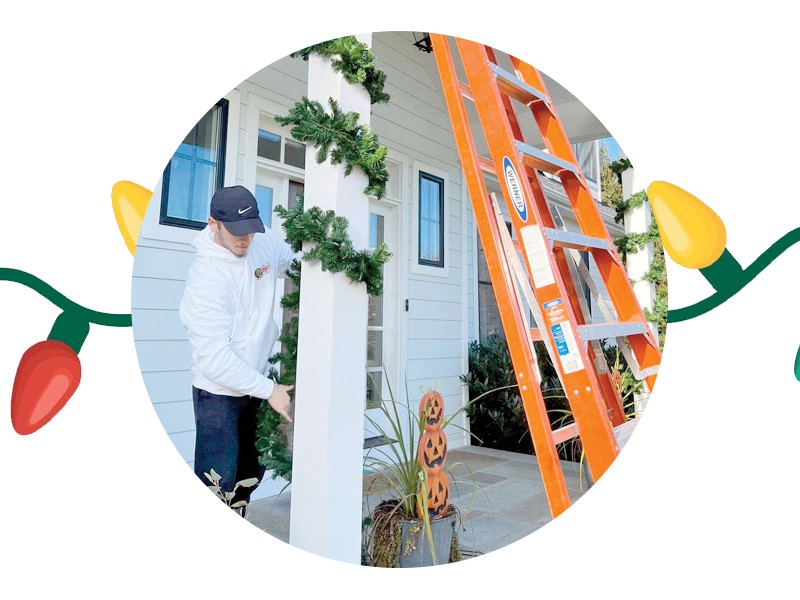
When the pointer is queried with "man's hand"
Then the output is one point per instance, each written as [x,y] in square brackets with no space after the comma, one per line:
[279,400]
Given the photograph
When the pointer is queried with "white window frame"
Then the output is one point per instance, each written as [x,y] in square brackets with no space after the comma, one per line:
[443,272]
[258,106]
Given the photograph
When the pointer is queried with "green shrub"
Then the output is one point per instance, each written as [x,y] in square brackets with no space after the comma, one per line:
[498,419]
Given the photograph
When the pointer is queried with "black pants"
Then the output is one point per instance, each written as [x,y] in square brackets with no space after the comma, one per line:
[226,439]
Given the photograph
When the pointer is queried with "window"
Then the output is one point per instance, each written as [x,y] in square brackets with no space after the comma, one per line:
[585,258]
[375,325]
[264,203]
[195,171]
[270,145]
[489,322]
[586,154]
[295,191]
[431,220]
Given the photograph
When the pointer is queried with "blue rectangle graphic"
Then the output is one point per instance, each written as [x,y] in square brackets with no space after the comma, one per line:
[552,303]
[561,342]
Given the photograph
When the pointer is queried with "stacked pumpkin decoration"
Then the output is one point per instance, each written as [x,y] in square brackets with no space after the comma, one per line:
[432,453]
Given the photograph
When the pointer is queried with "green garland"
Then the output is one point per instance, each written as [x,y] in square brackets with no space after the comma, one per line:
[355,62]
[633,242]
[620,165]
[339,135]
[624,206]
[335,251]
[333,247]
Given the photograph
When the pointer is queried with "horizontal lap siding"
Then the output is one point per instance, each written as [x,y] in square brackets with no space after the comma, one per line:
[159,272]
[417,124]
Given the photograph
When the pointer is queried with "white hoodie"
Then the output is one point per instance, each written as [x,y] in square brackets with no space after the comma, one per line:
[227,310]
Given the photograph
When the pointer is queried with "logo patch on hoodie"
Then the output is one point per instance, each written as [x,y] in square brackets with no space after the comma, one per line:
[262,270]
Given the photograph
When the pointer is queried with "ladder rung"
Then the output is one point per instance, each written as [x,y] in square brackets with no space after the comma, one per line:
[565,433]
[486,165]
[510,85]
[536,335]
[465,91]
[577,241]
[610,330]
[543,161]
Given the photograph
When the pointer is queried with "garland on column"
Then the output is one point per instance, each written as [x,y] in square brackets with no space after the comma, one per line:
[339,135]
[355,62]
[633,242]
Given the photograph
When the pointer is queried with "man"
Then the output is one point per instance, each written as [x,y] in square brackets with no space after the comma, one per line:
[227,311]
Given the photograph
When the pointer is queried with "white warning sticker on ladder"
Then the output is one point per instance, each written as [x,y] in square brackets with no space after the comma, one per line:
[538,256]
[567,348]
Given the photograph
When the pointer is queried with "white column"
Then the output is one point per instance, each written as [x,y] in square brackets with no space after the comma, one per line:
[331,375]
[637,220]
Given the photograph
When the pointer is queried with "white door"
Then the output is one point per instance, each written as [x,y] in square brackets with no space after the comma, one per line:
[383,324]
[274,190]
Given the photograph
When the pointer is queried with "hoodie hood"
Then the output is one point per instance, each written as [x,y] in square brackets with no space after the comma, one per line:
[206,247]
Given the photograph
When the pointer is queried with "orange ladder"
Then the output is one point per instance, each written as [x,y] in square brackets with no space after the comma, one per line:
[570,340]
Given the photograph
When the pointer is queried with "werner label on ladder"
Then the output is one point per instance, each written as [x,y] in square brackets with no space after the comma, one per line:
[515,189]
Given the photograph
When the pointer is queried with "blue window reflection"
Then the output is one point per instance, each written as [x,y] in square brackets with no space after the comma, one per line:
[264,202]
[195,171]
[431,220]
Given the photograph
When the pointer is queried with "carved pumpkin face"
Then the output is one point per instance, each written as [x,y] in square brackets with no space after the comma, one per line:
[438,495]
[433,404]
[432,450]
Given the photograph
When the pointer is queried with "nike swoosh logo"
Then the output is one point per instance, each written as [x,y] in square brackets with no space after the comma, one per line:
[241,212]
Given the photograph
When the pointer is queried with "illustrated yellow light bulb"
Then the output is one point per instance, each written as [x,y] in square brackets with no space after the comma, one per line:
[130,203]
[694,236]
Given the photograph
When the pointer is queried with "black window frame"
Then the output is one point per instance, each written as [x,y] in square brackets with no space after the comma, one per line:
[164,218]
[430,263]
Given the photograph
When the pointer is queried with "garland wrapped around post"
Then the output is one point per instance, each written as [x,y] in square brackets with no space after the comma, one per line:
[339,135]
[633,242]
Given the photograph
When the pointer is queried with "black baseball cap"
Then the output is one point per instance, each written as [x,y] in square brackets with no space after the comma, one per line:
[237,209]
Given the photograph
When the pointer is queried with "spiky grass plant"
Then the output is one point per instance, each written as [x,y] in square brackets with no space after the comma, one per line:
[397,466]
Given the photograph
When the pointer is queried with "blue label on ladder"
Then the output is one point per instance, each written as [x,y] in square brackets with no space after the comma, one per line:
[561,341]
[514,186]
[552,303]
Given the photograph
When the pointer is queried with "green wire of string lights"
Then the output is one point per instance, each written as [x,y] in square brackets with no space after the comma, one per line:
[64,303]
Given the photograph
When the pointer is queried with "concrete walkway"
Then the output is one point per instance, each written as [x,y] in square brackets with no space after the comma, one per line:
[506,503]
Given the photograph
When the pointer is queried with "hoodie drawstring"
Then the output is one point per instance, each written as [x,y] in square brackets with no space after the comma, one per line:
[252,294]
[238,300]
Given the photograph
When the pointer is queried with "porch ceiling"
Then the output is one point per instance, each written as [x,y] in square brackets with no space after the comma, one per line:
[664,83]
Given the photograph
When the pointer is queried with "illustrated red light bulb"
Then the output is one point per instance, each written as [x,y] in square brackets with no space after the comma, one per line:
[48,375]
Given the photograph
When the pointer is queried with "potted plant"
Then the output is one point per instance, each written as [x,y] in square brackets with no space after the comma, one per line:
[416,526]
[232,512]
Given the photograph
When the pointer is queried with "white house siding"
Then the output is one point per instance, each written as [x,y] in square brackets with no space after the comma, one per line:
[416,124]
